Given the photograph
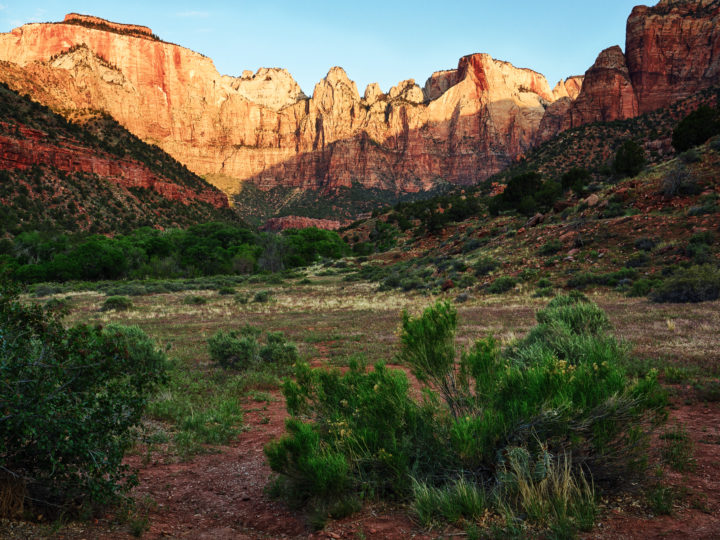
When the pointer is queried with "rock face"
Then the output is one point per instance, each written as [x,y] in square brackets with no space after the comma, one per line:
[673,50]
[297,222]
[607,93]
[466,124]
[24,147]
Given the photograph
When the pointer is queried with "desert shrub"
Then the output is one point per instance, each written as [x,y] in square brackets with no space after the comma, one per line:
[690,156]
[194,300]
[278,350]
[243,349]
[116,303]
[645,244]
[679,181]
[58,305]
[696,128]
[629,159]
[226,291]
[485,265]
[71,398]
[502,285]
[562,391]
[234,350]
[575,179]
[708,390]
[551,247]
[642,287]
[699,283]
[262,296]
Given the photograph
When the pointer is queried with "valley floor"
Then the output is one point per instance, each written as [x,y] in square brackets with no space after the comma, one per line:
[219,491]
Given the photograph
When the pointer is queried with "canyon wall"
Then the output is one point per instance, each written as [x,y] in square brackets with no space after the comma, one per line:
[464,125]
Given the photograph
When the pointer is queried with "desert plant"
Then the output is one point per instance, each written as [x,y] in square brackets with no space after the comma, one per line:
[562,391]
[696,128]
[551,247]
[484,265]
[629,159]
[194,300]
[502,285]
[72,398]
[262,296]
[232,350]
[694,284]
[116,303]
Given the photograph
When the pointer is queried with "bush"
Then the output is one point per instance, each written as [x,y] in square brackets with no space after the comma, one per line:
[262,296]
[694,284]
[233,350]
[502,285]
[242,349]
[116,303]
[629,159]
[71,398]
[679,181]
[492,418]
[226,291]
[194,300]
[551,247]
[485,265]
[696,128]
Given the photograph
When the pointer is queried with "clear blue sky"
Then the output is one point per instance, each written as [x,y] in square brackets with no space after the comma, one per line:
[375,41]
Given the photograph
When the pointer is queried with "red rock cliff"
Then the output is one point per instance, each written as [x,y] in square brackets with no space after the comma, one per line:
[467,124]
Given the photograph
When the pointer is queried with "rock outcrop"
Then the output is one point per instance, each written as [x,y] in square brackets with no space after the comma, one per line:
[673,50]
[607,92]
[297,222]
[464,125]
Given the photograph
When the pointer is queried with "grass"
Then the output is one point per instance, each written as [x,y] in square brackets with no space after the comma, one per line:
[677,449]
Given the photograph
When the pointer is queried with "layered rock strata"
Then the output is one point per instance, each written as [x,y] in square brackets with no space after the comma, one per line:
[465,125]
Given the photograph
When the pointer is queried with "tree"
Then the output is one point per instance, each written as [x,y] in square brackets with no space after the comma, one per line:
[696,128]
[629,159]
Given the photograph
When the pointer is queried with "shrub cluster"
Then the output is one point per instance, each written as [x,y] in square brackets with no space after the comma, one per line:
[700,283]
[499,428]
[201,250]
[242,349]
[70,399]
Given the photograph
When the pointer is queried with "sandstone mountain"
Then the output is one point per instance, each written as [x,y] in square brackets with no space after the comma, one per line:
[464,125]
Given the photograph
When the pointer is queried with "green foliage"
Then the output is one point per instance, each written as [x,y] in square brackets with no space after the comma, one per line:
[72,398]
[241,350]
[450,503]
[194,300]
[502,285]
[527,194]
[205,249]
[484,265]
[629,159]
[575,179]
[696,128]
[677,449]
[116,303]
[562,391]
[551,247]
[699,283]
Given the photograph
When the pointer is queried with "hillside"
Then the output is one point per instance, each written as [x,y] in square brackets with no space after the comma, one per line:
[629,234]
[91,175]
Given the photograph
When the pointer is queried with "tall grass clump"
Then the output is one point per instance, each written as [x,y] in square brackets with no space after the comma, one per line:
[560,397]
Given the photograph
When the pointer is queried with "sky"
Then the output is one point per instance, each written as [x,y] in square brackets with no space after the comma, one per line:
[374,41]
